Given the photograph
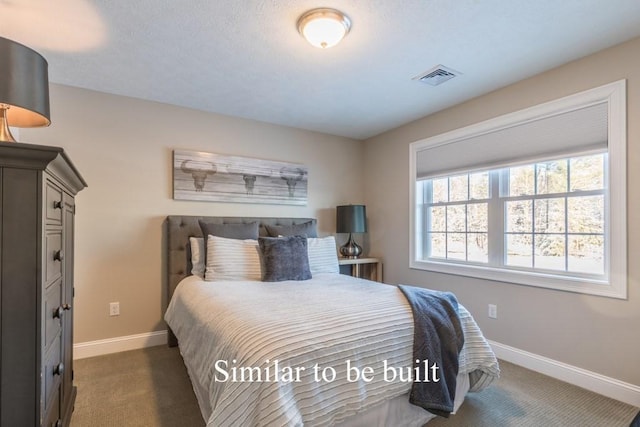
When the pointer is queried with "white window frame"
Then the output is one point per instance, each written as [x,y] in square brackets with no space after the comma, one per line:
[615,283]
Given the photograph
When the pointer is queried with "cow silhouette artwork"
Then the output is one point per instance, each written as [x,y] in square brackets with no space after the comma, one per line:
[199,175]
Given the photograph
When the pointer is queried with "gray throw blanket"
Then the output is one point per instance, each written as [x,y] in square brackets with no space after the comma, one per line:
[438,339]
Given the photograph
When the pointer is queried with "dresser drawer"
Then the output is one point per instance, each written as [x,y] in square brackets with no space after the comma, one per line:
[53,370]
[53,255]
[53,201]
[52,411]
[53,313]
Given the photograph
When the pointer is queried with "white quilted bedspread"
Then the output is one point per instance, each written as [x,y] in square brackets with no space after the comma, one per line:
[326,321]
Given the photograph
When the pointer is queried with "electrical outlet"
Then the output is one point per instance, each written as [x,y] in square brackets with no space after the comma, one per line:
[114,309]
[493,311]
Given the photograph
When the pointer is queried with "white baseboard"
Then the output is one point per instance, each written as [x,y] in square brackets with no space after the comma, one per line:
[606,386]
[115,345]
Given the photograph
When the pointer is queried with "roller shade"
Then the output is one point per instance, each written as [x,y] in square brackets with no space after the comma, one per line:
[582,129]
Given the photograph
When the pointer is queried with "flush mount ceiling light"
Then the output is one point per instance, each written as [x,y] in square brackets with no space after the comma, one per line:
[324,28]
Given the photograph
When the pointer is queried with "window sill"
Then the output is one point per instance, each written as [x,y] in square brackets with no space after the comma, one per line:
[589,286]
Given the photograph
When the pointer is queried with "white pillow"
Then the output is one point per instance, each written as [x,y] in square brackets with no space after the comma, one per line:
[232,259]
[197,256]
[323,256]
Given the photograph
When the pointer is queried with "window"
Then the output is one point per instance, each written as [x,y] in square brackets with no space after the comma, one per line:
[539,201]
[551,217]
[457,226]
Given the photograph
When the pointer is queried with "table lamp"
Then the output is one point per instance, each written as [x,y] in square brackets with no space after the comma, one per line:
[351,219]
[24,88]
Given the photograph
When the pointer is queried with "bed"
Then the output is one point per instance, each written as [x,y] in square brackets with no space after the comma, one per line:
[321,351]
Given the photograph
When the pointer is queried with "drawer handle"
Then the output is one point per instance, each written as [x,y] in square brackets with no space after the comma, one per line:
[57,204]
[58,423]
[66,307]
[58,256]
[57,313]
[59,369]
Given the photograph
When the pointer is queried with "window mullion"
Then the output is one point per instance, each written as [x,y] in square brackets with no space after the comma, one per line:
[566,233]
[426,215]
[466,221]
[495,210]
[566,218]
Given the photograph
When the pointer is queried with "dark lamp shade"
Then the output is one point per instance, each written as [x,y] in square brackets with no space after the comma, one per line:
[24,85]
[351,219]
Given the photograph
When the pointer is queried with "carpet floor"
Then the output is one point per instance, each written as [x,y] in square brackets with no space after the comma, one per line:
[150,388]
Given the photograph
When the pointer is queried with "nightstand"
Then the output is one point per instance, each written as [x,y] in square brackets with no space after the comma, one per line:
[364,268]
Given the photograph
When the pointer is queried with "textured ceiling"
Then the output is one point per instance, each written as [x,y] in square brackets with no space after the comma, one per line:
[246,58]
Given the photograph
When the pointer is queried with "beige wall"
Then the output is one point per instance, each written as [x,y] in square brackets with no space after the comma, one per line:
[595,333]
[123,148]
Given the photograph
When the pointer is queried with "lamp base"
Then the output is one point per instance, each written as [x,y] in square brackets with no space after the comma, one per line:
[351,249]
[5,132]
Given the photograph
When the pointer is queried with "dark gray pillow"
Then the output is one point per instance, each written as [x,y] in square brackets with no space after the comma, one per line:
[307,229]
[230,231]
[284,258]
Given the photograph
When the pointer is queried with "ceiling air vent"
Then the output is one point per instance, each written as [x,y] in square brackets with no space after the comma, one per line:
[436,75]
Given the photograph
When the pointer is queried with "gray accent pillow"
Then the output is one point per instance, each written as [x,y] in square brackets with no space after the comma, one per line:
[230,231]
[308,229]
[284,258]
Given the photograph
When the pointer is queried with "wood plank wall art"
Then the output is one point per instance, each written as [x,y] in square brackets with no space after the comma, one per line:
[214,177]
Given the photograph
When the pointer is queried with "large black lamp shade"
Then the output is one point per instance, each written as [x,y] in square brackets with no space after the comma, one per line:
[24,88]
[351,219]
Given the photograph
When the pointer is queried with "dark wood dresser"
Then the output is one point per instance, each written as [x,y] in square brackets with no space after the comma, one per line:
[37,189]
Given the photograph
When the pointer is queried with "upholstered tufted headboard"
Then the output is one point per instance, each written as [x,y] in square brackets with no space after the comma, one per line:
[178,230]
